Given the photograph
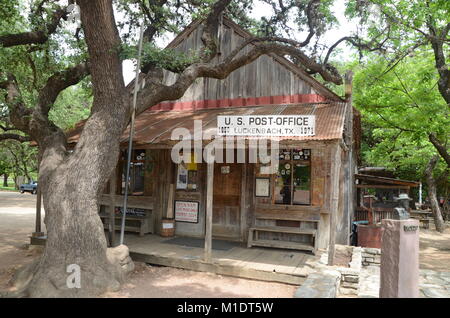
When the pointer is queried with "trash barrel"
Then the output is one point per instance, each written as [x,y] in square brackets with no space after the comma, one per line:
[354,235]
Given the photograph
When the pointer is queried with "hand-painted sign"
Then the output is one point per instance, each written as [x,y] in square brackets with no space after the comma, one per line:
[186,211]
[266,125]
[131,211]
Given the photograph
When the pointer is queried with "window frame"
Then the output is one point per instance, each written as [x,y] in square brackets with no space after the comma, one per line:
[123,163]
[292,162]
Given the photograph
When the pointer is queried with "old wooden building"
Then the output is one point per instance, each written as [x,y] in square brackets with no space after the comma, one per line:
[306,204]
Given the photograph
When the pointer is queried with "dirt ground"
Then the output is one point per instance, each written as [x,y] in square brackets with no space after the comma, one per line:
[434,249]
[164,282]
[17,217]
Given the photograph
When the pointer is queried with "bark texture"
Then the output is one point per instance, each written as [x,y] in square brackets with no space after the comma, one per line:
[432,193]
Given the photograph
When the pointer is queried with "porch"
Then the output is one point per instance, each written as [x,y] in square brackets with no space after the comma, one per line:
[228,258]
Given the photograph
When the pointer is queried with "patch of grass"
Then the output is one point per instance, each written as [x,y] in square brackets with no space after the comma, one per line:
[8,188]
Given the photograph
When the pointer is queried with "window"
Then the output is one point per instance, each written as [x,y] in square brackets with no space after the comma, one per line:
[293,177]
[187,175]
[137,172]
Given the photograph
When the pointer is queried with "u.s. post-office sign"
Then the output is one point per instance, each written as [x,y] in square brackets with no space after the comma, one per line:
[266,125]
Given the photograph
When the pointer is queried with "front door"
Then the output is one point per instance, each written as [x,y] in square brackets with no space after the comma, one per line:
[227,200]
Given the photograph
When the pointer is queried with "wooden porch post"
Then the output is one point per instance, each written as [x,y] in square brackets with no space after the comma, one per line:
[38,230]
[335,169]
[209,211]
[112,206]
[243,206]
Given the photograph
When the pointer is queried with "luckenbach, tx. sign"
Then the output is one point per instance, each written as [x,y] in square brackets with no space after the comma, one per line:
[266,125]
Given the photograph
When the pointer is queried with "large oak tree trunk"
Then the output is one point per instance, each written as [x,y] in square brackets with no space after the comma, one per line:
[71,183]
[74,236]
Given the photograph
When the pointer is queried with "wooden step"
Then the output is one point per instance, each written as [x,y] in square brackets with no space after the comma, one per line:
[128,217]
[136,229]
[285,229]
[285,218]
[283,244]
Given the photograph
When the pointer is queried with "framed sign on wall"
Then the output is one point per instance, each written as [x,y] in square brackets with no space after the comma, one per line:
[182,177]
[186,211]
[262,187]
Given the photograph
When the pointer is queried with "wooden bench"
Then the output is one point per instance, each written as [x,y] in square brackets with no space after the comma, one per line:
[255,240]
[133,223]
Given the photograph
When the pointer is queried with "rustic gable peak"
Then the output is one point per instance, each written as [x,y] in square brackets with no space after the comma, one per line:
[270,79]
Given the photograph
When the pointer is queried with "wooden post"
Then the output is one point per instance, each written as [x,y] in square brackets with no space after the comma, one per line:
[243,200]
[38,230]
[112,207]
[209,211]
[169,213]
[335,168]
[370,215]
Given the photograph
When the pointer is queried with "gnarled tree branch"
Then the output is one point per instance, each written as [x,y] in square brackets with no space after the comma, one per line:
[34,121]
[14,137]
[442,150]
[37,36]
[57,83]
[19,113]
[209,35]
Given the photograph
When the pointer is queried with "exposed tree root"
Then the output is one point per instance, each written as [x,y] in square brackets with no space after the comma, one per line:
[42,278]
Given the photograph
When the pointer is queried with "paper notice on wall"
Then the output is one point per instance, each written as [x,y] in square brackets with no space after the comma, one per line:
[186,211]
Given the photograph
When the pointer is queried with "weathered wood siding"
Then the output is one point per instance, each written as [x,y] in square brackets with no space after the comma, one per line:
[263,77]
[199,195]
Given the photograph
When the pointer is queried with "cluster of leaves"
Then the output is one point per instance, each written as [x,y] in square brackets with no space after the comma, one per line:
[18,159]
[169,59]
[400,108]
[32,65]
[291,16]
[72,105]
[10,19]
[164,16]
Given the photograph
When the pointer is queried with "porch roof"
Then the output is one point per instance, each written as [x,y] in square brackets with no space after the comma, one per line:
[376,180]
[155,127]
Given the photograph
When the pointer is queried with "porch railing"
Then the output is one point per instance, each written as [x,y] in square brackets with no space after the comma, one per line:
[362,214]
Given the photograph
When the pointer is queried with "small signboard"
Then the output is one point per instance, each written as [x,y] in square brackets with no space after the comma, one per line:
[225,169]
[131,211]
[186,211]
[262,188]
[266,125]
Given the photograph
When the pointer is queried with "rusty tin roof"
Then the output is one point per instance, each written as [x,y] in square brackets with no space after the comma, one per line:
[155,127]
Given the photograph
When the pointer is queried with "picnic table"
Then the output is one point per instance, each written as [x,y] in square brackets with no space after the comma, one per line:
[424,217]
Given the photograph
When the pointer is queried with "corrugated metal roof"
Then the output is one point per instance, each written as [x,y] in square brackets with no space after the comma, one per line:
[155,127]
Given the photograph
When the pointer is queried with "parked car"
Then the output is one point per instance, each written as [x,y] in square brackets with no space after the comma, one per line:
[29,187]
